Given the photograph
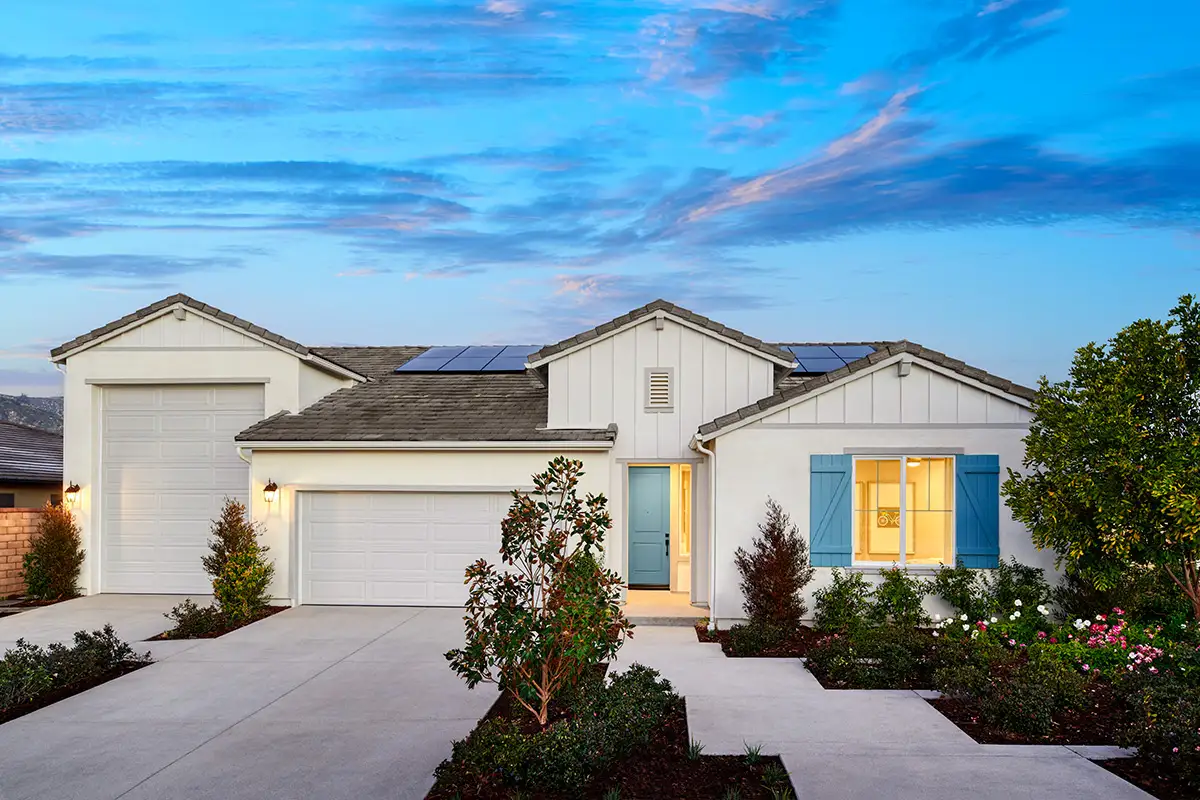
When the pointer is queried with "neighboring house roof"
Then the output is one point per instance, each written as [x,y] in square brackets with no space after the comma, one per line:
[793,388]
[30,455]
[408,407]
[638,314]
[282,342]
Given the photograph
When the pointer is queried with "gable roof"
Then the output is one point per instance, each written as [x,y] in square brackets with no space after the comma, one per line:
[373,362]
[94,337]
[885,351]
[29,454]
[639,314]
[426,407]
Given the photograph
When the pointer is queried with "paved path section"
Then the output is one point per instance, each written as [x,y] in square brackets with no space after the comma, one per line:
[310,703]
[133,616]
[855,745]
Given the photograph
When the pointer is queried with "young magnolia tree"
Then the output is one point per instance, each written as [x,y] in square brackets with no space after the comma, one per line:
[537,623]
[1113,456]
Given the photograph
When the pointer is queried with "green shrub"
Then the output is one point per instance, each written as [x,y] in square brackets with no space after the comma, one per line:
[1145,593]
[898,599]
[1026,699]
[1011,581]
[608,721]
[190,621]
[775,571]
[965,667]
[241,588]
[51,567]
[1165,728]
[537,625]
[755,637]
[962,588]
[28,671]
[884,657]
[844,603]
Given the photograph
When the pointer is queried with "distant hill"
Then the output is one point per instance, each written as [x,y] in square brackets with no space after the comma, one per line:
[36,412]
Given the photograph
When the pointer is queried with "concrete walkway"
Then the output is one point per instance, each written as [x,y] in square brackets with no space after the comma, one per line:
[851,745]
[133,616]
[312,702]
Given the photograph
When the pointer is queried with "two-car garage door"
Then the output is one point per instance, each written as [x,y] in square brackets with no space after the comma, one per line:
[395,548]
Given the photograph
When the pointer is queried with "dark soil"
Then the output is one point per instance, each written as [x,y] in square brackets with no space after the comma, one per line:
[1149,778]
[17,601]
[659,771]
[796,646]
[1096,722]
[213,634]
[63,692]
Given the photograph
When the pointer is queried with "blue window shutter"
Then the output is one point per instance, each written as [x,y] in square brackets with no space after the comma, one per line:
[829,511]
[977,511]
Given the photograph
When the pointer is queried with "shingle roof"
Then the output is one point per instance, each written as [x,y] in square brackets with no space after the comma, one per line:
[190,302]
[29,454]
[373,362]
[792,388]
[678,311]
[407,407]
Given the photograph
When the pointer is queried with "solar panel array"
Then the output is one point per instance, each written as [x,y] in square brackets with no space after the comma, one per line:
[818,358]
[476,358]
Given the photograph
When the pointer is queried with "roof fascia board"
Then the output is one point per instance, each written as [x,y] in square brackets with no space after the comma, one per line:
[633,323]
[310,358]
[352,444]
[884,364]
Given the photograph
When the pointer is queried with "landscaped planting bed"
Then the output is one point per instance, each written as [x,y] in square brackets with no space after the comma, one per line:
[208,622]
[788,644]
[626,737]
[33,677]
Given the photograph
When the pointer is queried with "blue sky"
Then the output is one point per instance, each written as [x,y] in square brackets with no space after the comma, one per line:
[1002,180]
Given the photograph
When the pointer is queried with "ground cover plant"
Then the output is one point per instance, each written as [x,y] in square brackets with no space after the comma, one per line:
[241,578]
[51,567]
[32,677]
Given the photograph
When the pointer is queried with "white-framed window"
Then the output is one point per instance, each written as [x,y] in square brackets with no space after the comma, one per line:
[904,510]
[660,389]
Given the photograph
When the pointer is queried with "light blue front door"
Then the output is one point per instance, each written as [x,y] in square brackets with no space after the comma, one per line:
[649,526]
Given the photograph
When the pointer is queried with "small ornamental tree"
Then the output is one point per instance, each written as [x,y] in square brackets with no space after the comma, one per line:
[536,624]
[1112,475]
[233,533]
[51,567]
[775,572]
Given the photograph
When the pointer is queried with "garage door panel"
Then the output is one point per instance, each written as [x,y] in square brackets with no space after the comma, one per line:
[169,463]
[414,546]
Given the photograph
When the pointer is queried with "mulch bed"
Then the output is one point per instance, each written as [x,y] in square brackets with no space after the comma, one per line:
[17,601]
[659,771]
[63,692]
[1148,778]
[796,646]
[266,612]
[1096,723]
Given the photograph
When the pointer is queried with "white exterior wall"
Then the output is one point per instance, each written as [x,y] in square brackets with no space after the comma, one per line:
[770,458]
[604,382]
[165,350]
[376,470]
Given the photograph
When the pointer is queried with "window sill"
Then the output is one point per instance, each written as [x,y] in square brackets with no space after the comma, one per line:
[923,569]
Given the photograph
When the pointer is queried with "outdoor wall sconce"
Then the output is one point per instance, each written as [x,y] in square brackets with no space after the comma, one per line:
[270,491]
[72,494]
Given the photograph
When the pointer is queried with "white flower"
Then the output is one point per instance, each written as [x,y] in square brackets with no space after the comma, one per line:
[966,627]
[936,634]
[1043,610]
[937,617]
[974,633]
[964,618]
[1016,614]
[1087,623]
[1018,603]
[994,620]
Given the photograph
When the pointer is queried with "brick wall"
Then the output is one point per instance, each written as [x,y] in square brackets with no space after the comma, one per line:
[17,526]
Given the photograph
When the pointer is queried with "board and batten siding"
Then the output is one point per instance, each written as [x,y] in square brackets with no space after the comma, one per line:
[922,397]
[192,331]
[604,383]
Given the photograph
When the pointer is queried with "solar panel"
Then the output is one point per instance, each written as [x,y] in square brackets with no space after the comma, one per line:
[852,352]
[475,358]
[820,364]
[802,351]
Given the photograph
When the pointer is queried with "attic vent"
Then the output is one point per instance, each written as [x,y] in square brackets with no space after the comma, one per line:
[659,391]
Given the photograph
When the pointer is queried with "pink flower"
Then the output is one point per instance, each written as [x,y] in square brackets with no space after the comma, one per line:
[1012,642]
[1086,667]
[1041,634]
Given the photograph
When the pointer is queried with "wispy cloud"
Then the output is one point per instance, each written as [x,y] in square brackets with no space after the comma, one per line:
[133,266]
[989,28]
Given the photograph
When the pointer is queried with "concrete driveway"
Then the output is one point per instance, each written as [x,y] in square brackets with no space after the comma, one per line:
[134,617]
[312,702]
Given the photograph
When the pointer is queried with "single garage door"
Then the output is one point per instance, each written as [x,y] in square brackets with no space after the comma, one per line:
[395,548]
[168,464]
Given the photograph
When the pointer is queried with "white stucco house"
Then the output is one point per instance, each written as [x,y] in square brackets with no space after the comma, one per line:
[389,467]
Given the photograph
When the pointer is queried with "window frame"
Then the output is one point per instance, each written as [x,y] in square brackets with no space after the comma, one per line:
[902,561]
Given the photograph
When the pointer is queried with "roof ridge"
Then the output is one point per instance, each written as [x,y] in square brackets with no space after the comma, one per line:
[33,428]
